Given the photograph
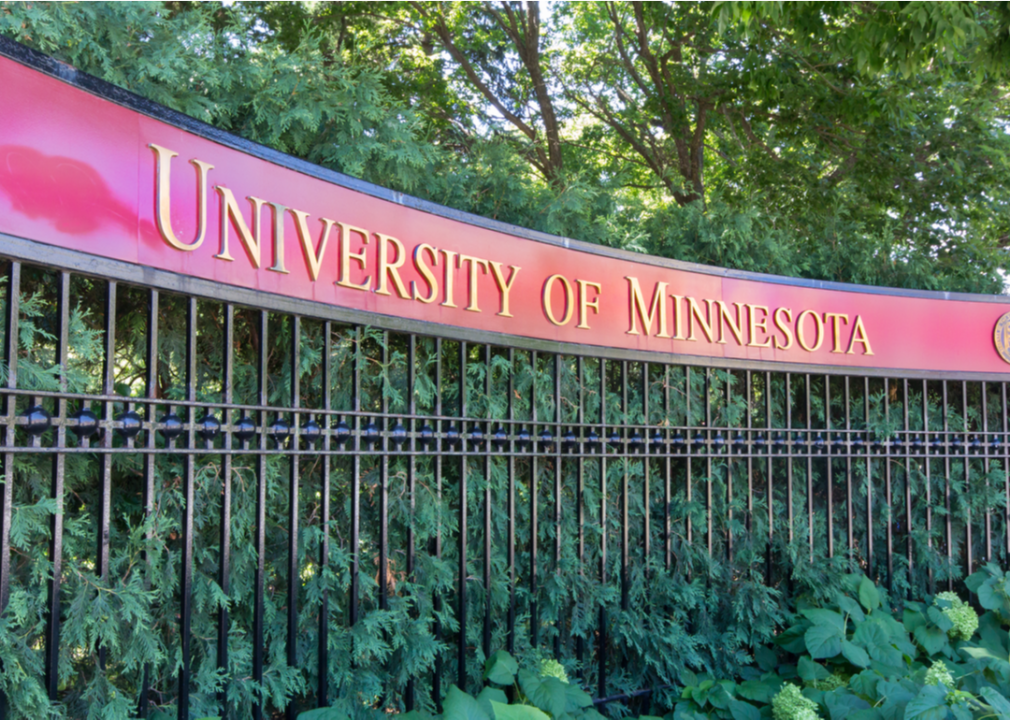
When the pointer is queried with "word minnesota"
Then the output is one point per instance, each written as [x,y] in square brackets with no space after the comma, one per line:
[679,317]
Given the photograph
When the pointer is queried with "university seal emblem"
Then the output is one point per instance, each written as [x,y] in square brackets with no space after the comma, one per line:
[1001,336]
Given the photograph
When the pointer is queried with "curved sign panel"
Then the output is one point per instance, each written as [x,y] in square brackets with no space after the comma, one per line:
[82,172]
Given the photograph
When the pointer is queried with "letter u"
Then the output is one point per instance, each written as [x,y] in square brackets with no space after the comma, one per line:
[163,197]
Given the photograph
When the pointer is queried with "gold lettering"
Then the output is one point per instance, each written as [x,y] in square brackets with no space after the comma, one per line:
[585,303]
[472,289]
[725,320]
[346,256]
[569,300]
[657,307]
[695,314]
[250,240]
[678,320]
[754,325]
[801,336]
[278,213]
[836,320]
[388,269]
[163,198]
[504,288]
[857,327]
[450,274]
[426,273]
[783,328]
[313,255]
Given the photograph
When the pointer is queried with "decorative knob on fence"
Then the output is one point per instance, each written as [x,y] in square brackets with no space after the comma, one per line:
[87,423]
[452,436]
[740,442]
[614,440]
[499,437]
[398,435]
[370,434]
[244,428]
[546,440]
[936,444]
[896,443]
[208,427]
[476,437]
[341,433]
[311,432]
[656,439]
[37,420]
[857,443]
[819,442]
[426,436]
[569,440]
[129,424]
[279,431]
[635,440]
[838,443]
[171,426]
[677,440]
[523,438]
[760,443]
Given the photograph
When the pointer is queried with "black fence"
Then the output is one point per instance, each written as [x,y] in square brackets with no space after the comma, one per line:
[200,492]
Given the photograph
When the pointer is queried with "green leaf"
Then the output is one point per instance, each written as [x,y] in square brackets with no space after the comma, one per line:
[501,668]
[741,710]
[850,607]
[326,713]
[460,706]
[819,616]
[989,596]
[577,698]
[842,704]
[974,581]
[548,694]
[823,641]
[932,639]
[929,704]
[997,701]
[808,670]
[939,619]
[855,654]
[489,695]
[503,711]
[912,619]
[869,596]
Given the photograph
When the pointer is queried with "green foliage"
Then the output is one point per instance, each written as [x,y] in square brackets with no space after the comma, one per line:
[962,616]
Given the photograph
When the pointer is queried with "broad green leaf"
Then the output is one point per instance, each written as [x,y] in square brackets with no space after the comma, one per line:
[929,704]
[820,616]
[761,691]
[998,702]
[869,596]
[989,596]
[939,619]
[501,668]
[842,703]
[912,619]
[823,641]
[503,711]
[855,654]
[741,710]
[808,670]
[932,640]
[851,608]
[548,694]
[491,694]
[577,698]
[974,581]
[458,705]
[326,713]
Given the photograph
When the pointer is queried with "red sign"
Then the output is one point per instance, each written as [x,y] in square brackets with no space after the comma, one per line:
[81,172]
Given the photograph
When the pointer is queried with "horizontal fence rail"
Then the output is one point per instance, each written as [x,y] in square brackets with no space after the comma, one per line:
[260,497]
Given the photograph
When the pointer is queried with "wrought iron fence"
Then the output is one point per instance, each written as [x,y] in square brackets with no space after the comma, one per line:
[299,486]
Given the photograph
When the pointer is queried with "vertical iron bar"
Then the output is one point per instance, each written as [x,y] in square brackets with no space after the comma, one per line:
[968,549]
[646,531]
[323,640]
[261,511]
[409,692]
[59,466]
[105,458]
[580,644]
[534,527]
[869,481]
[355,528]
[808,391]
[511,645]
[625,580]
[601,647]
[929,483]
[906,447]
[887,488]
[186,582]
[559,623]
[462,571]
[848,473]
[946,491]
[708,461]
[384,481]
[436,685]
[667,499]
[830,460]
[769,479]
[789,456]
[729,468]
[150,416]
[985,449]
[224,566]
[293,485]
[487,503]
